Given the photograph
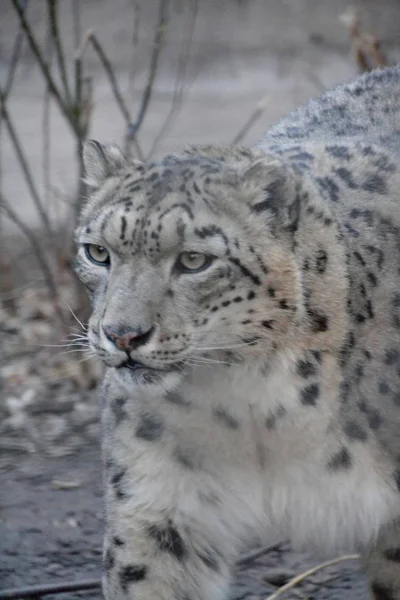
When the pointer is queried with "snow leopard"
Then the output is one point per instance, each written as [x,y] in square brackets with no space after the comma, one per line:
[246,304]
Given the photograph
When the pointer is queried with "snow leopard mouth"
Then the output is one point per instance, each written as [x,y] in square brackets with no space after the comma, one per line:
[136,365]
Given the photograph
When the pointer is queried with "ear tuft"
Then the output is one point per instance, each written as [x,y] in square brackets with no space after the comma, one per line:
[276,191]
[101,162]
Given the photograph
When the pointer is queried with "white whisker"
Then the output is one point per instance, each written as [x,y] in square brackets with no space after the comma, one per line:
[84,327]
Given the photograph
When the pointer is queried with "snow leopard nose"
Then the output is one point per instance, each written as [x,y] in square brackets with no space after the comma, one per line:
[125,338]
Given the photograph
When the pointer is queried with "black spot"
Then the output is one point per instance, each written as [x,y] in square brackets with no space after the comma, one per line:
[396,477]
[209,558]
[261,206]
[306,368]
[374,419]
[309,395]
[321,261]
[123,227]
[185,458]
[169,540]
[270,421]
[382,592]
[393,554]
[339,152]
[372,279]
[354,431]
[319,321]
[327,184]
[383,388]
[250,295]
[317,355]
[360,259]
[283,304]
[271,292]
[347,177]
[150,427]
[131,574]
[396,398]
[118,541]
[268,324]
[375,184]
[225,418]
[340,460]
[396,300]
[117,408]
[116,482]
[109,560]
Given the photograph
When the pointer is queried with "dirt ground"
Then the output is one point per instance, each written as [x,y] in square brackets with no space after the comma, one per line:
[279,52]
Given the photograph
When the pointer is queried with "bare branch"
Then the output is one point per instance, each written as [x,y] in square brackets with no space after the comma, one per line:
[180,80]
[52,6]
[135,42]
[155,55]
[46,152]
[36,247]
[114,86]
[76,20]
[43,66]
[24,164]
[15,56]
[111,76]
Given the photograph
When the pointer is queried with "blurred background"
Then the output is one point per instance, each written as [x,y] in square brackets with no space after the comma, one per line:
[152,76]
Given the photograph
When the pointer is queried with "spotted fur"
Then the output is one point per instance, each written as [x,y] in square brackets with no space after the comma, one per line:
[262,393]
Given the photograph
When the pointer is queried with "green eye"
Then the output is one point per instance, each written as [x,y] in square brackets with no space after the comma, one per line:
[193,262]
[97,254]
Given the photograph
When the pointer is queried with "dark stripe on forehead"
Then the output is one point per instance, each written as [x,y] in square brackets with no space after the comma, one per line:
[213,231]
[181,205]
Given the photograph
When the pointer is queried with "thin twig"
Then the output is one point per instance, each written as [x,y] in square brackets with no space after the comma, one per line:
[36,247]
[76,21]
[46,129]
[24,164]
[55,34]
[179,81]
[114,86]
[299,578]
[155,56]
[135,43]
[256,114]
[43,66]
[111,76]
[15,56]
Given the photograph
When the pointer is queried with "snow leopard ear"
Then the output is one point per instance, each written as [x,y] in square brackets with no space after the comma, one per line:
[274,191]
[101,162]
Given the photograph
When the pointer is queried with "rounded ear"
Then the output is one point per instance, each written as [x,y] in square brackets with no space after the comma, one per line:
[101,162]
[274,190]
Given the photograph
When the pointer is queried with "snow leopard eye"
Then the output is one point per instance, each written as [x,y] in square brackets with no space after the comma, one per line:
[193,262]
[97,254]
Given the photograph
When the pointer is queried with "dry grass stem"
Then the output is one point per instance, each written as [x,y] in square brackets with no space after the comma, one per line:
[302,576]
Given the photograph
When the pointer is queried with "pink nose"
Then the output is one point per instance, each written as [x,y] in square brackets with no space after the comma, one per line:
[125,339]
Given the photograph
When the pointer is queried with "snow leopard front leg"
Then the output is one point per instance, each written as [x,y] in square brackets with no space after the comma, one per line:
[165,533]
[383,564]
[153,558]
